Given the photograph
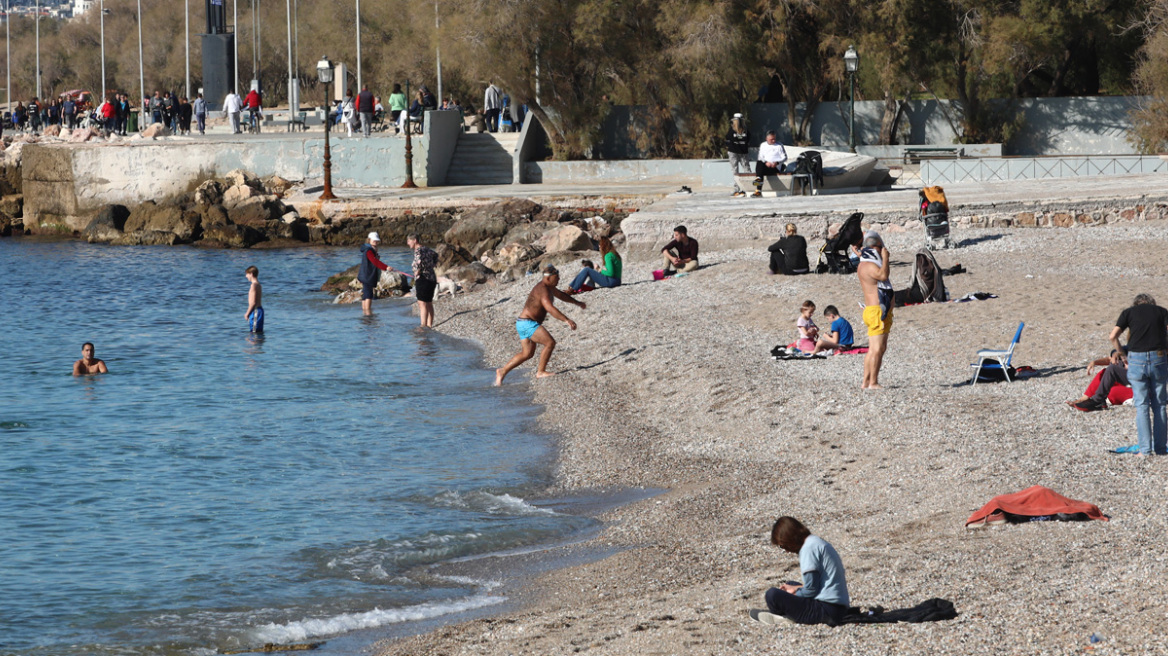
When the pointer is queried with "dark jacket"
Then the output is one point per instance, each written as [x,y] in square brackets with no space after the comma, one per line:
[789,255]
[368,271]
[738,142]
[365,102]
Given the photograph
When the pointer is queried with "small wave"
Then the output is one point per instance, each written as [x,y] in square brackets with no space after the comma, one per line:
[313,628]
[495,504]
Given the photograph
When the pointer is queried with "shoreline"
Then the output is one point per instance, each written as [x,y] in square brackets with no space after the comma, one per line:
[671,385]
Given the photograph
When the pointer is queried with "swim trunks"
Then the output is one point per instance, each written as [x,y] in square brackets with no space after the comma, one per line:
[255,320]
[526,328]
[878,322]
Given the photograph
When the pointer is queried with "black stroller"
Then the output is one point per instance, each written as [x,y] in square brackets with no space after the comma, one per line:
[935,213]
[833,256]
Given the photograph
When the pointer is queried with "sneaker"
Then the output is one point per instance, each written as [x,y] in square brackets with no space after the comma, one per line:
[996,518]
[757,194]
[1090,405]
[766,617]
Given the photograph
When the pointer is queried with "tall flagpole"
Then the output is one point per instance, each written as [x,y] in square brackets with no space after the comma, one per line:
[438,50]
[102,8]
[291,91]
[141,66]
[38,49]
[358,45]
[188,8]
[8,48]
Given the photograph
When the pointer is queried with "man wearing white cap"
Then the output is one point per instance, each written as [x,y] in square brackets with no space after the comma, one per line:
[873,275]
[370,272]
[738,147]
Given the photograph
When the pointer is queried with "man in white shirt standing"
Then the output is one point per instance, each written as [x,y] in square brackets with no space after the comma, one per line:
[232,108]
[492,105]
[771,158]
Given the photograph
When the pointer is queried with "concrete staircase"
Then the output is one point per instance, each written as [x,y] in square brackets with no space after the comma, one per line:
[482,159]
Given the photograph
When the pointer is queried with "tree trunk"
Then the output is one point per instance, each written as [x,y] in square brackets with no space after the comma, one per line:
[888,119]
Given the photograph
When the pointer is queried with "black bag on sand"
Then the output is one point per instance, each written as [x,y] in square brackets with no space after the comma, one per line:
[933,610]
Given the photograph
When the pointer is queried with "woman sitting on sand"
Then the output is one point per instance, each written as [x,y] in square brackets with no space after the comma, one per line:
[823,596]
[608,276]
[789,254]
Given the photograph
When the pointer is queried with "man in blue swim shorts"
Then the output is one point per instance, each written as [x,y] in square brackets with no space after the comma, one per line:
[255,308]
[529,325]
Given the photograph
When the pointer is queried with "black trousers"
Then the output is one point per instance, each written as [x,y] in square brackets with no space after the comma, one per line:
[803,610]
[1114,374]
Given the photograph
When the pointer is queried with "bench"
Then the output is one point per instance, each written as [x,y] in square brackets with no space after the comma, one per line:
[914,154]
[299,123]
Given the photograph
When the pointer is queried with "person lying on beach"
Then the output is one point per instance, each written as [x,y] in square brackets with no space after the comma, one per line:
[540,303]
[1110,384]
[808,331]
[839,336]
[88,364]
[608,276]
[822,598]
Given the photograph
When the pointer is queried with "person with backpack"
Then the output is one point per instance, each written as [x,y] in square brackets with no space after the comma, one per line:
[1147,369]
[771,159]
[738,148]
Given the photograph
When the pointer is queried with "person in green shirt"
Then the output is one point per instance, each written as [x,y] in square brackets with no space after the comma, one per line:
[397,104]
[608,276]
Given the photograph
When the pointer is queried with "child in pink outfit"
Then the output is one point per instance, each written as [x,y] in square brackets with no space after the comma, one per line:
[808,331]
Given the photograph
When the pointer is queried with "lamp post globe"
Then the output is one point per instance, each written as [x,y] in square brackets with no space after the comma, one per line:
[851,63]
[324,71]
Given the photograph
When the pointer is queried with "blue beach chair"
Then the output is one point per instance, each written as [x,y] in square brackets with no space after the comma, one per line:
[1001,358]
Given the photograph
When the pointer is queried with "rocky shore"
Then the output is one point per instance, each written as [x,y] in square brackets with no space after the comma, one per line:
[670,385]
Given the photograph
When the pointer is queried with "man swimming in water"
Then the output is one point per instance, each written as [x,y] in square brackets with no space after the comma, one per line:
[540,302]
[873,275]
[88,364]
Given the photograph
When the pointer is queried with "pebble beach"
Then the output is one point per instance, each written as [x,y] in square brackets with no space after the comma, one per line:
[670,385]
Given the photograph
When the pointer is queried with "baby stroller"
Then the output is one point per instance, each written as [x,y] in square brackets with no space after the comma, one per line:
[935,213]
[833,256]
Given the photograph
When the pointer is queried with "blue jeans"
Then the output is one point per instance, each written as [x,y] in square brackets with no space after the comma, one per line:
[1148,373]
[804,610]
[598,279]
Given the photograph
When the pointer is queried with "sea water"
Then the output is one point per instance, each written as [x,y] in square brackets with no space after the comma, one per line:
[219,490]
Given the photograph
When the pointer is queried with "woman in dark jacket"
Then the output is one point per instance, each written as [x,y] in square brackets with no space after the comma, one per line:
[789,254]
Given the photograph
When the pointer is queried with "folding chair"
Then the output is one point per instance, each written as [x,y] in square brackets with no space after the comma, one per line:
[1003,358]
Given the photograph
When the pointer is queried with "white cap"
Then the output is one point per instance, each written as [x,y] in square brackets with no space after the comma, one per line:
[373,237]
[738,116]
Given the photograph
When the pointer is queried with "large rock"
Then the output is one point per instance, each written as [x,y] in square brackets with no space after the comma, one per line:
[108,224]
[511,255]
[209,193]
[475,273]
[146,238]
[567,238]
[340,282]
[230,236]
[237,194]
[482,229]
[451,257]
[276,185]
[5,225]
[52,131]
[155,130]
[256,213]
[12,205]
[240,177]
[185,225]
[528,233]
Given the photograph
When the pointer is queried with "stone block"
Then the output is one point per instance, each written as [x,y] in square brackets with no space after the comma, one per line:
[567,238]
[236,194]
[50,197]
[1062,220]
[1129,214]
[240,177]
[1025,219]
[1085,219]
[46,163]
[155,130]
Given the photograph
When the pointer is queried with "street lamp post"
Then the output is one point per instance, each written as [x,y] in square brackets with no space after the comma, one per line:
[102,8]
[38,49]
[141,69]
[851,63]
[409,183]
[188,29]
[324,71]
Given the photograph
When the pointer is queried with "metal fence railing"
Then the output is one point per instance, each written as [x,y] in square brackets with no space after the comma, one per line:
[950,171]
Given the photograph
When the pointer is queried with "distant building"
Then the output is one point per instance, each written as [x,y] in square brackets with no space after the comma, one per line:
[82,6]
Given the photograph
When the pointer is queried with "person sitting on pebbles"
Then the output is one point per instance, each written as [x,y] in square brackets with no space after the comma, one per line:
[1110,384]
[822,598]
[840,336]
[681,254]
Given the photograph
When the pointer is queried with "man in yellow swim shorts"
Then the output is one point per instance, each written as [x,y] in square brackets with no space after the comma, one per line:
[873,275]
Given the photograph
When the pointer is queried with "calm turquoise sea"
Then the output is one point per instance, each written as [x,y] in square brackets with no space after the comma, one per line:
[218,490]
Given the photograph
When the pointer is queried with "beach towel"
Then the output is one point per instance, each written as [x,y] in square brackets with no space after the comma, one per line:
[974,296]
[855,350]
[933,610]
[1036,501]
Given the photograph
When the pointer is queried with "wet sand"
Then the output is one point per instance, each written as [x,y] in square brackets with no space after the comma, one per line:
[670,385]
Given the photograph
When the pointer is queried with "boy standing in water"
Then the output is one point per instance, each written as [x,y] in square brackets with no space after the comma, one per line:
[255,308]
